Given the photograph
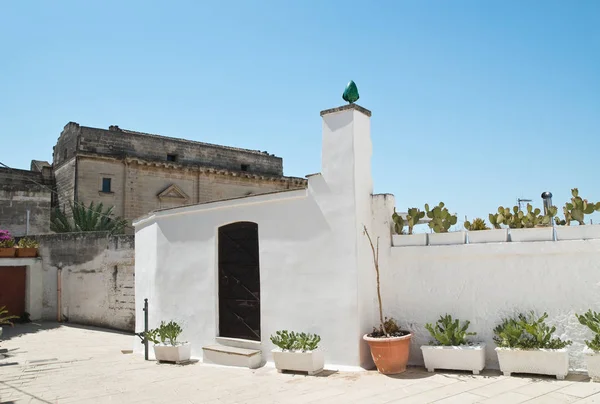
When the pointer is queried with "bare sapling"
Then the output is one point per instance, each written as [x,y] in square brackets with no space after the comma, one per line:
[375,251]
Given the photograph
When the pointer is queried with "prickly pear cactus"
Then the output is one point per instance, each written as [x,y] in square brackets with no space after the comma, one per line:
[398,223]
[577,209]
[413,217]
[517,219]
[441,218]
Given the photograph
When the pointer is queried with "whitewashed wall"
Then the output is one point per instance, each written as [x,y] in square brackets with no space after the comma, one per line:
[485,282]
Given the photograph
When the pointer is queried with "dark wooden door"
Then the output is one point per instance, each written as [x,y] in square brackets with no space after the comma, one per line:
[12,289]
[239,281]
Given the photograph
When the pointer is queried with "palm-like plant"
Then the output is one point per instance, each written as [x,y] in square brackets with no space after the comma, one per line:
[4,319]
[87,218]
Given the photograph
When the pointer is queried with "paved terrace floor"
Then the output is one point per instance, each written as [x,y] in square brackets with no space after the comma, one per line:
[55,363]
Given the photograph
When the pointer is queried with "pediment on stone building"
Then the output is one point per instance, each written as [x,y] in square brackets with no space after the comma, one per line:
[173,192]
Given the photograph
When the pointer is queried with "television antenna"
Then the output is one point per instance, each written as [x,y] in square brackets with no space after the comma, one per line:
[521,201]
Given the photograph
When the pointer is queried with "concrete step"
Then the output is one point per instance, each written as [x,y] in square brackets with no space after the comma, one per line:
[232,356]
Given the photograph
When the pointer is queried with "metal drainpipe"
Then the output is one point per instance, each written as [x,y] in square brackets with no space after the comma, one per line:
[59,294]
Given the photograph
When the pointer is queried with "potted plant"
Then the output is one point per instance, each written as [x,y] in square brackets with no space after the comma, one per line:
[476,236]
[450,348]
[530,225]
[27,247]
[166,346]
[297,352]
[413,217]
[591,319]
[389,344]
[441,220]
[7,244]
[5,319]
[575,211]
[525,345]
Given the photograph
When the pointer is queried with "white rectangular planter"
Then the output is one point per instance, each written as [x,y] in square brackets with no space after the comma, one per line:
[298,361]
[404,240]
[533,234]
[451,238]
[553,362]
[464,357]
[592,360]
[585,232]
[488,236]
[169,353]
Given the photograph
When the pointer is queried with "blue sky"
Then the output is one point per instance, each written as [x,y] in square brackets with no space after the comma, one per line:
[475,103]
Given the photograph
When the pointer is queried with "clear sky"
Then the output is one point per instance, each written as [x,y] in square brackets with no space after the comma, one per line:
[475,103]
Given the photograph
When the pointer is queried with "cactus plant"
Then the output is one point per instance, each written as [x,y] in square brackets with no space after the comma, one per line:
[478,224]
[591,319]
[517,219]
[441,218]
[449,332]
[577,209]
[413,217]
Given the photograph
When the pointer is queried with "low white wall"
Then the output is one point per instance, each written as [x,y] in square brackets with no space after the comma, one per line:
[485,282]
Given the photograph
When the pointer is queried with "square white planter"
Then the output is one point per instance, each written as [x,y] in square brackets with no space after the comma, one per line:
[464,357]
[405,240]
[298,361]
[533,234]
[592,360]
[170,353]
[451,238]
[488,236]
[553,362]
[585,232]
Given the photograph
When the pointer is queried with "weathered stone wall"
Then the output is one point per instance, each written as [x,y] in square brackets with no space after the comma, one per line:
[64,177]
[22,191]
[97,278]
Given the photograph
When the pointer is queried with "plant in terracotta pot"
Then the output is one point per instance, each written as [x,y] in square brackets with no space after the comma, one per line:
[591,320]
[389,344]
[7,244]
[27,247]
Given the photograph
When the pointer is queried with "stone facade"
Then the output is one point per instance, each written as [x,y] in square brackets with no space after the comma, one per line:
[24,191]
[146,172]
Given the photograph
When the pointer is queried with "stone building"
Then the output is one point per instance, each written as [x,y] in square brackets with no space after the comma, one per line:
[25,199]
[140,172]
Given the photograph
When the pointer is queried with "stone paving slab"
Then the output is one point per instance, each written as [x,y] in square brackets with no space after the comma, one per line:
[58,363]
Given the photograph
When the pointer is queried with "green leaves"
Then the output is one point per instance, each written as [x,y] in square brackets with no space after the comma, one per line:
[87,218]
[165,332]
[577,209]
[478,224]
[441,218]
[413,217]
[449,332]
[4,318]
[519,219]
[527,332]
[591,320]
[290,341]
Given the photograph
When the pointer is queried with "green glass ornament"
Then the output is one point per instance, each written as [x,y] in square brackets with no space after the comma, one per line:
[351,93]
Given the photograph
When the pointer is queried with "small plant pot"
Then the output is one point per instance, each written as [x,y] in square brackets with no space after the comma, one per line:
[407,240]
[585,232]
[463,357]
[488,236]
[27,252]
[552,362]
[169,353]
[451,238]
[7,252]
[592,360]
[532,234]
[389,354]
[298,361]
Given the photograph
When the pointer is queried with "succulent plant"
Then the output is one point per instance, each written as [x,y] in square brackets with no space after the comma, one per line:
[441,218]
[517,219]
[478,224]
[577,209]
[413,217]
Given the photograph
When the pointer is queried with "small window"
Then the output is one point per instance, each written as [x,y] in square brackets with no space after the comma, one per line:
[106,185]
[244,167]
[66,154]
[171,157]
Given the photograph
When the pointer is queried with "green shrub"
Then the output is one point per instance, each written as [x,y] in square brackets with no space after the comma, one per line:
[26,242]
[165,332]
[290,340]
[477,224]
[527,332]
[591,319]
[449,332]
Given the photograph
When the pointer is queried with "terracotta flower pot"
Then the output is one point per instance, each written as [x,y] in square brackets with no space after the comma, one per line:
[27,252]
[7,252]
[389,354]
